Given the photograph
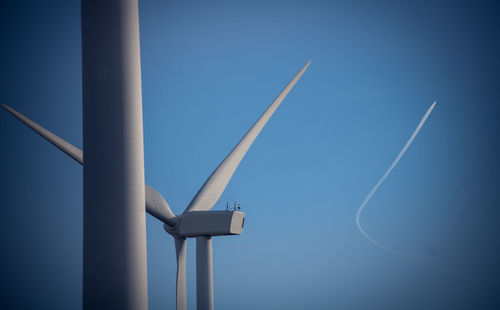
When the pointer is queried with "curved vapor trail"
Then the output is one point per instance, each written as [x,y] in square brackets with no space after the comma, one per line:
[382,179]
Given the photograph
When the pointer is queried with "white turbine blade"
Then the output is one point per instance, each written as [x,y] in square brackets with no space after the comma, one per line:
[180,296]
[61,144]
[155,204]
[210,192]
[158,207]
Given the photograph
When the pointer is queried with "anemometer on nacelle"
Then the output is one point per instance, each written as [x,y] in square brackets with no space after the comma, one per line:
[236,206]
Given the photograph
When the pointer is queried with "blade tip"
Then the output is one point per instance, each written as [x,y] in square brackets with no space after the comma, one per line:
[8,109]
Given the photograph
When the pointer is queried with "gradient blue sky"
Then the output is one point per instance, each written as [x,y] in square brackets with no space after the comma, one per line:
[209,70]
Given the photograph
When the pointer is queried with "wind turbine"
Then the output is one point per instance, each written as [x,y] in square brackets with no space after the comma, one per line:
[197,221]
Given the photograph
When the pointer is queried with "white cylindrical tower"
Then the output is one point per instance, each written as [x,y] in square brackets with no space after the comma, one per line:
[204,274]
[114,228]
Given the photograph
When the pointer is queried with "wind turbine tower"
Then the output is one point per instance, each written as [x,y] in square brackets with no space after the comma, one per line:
[197,220]
[114,224]
[114,193]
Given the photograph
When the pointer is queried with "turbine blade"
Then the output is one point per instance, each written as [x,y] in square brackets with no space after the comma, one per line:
[155,204]
[214,186]
[180,292]
[61,144]
[158,207]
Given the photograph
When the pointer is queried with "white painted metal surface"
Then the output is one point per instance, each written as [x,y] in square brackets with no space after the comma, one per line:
[204,274]
[211,223]
[114,224]
[180,287]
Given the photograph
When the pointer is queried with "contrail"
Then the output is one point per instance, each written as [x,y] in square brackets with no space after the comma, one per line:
[382,179]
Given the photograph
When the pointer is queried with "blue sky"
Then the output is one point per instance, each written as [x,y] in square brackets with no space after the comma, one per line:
[208,72]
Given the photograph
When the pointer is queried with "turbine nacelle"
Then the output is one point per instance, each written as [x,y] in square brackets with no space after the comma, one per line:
[207,223]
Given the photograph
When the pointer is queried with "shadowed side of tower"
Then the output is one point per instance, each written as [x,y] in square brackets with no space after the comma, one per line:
[114,228]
